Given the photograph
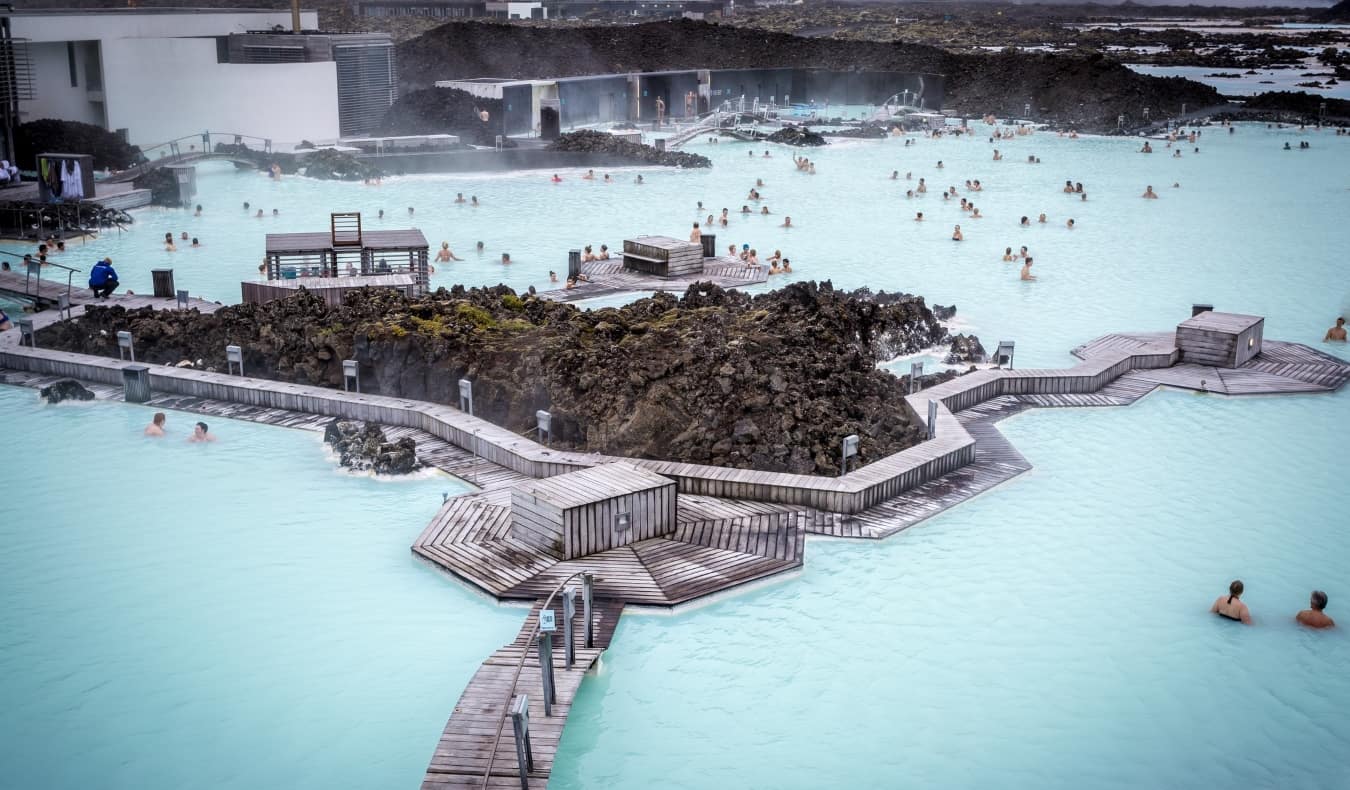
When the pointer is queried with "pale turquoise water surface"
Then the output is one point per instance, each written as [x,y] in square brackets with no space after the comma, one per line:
[1053,633]
[184,627]
[238,615]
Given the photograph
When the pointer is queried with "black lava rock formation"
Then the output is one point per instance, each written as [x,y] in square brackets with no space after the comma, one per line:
[772,381]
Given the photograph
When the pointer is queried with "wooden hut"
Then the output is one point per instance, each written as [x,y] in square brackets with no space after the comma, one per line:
[344,258]
[1224,340]
[595,509]
[662,256]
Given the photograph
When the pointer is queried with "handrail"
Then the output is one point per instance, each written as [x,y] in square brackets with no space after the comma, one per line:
[520,664]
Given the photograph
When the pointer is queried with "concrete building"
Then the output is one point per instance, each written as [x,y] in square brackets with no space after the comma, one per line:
[161,73]
[367,77]
[605,98]
[434,9]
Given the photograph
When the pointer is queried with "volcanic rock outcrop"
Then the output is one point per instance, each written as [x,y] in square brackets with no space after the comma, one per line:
[591,141]
[772,382]
[65,389]
[363,446]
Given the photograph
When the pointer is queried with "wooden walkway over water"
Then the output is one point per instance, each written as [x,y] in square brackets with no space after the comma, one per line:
[734,527]
[608,278]
[466,745]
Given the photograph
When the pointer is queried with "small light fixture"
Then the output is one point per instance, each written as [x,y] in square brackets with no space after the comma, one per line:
[622,522]
[1251,342]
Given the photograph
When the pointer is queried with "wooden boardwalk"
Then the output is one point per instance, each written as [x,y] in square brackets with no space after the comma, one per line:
[713,549]
[432,450]
[462,754]
[607,278]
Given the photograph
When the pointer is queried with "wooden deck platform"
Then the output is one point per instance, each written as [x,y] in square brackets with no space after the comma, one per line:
[713,549]
[465,747]
[607,278]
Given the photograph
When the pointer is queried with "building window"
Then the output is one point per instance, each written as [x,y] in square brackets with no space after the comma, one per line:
[74,72]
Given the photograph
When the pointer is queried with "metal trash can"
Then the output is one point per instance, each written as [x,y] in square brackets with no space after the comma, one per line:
[163,280]
[709,245]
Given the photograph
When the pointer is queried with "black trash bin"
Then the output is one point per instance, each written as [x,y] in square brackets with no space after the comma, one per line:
[163,281]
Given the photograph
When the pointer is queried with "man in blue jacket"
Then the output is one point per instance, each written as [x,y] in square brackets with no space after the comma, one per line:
[103,279]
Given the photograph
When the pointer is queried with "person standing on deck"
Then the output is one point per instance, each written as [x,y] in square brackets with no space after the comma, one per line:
[696,235]
[660,111]
[103,279]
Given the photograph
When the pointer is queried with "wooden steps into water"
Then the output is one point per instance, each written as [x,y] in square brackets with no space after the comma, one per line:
[465,748]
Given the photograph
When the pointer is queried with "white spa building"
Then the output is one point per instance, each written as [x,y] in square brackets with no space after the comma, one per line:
[165,73]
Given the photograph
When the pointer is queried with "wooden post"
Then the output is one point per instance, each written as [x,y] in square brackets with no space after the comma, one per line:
[546,670]
[520,726]
[569,607]
[915,377]
[932,418]
[587,604]
[709,245]
[136,383]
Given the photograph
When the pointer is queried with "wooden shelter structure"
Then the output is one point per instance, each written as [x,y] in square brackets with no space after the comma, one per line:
[1224,340]
[593,510]
[348,256]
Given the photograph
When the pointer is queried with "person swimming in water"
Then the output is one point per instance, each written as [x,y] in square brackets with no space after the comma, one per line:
[446,254]
[918,217]
[156,426]
[1026,271]
[1231,605]
[696,235]
[787,222]
[1313,616]
[200,433]
[459,197]
[1336,334]
[957,235]
[590,176]
[1149,193]
[1069,224]
[1008,254]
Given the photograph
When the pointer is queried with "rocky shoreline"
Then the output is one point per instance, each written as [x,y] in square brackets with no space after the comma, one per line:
[1088,91]
[593,142]
[771,382]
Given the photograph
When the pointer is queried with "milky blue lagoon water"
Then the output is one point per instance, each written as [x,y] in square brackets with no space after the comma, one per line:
[238,615]
[1052,633]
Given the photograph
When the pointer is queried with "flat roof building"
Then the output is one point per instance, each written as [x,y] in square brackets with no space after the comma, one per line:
[165,73]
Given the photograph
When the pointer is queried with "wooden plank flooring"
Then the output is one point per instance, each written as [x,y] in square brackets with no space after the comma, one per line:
[465,747]
[609,277]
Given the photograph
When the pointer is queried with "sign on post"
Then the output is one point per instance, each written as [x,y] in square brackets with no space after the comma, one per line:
[548,620]
[545,423]
[466,396]
[847,451]
[351,375]
[234,355]
[26,337]
[1004,353]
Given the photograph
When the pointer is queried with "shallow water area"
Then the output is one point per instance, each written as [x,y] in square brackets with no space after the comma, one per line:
[1129,264]
[234,615]
[1053,633]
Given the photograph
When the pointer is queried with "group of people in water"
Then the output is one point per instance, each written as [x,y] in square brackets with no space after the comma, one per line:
[200,431]
[1232,607]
